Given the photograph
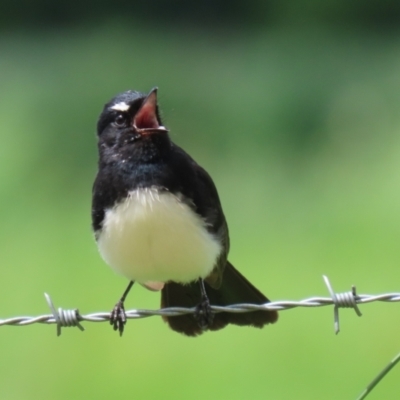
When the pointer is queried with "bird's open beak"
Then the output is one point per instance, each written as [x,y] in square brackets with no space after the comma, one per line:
[145,120]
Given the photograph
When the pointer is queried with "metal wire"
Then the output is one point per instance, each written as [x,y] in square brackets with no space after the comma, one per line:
[72,318]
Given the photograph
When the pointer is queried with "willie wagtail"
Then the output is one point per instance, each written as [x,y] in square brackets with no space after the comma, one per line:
[158,221]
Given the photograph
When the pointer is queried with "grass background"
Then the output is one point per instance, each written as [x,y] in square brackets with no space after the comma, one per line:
[299,128]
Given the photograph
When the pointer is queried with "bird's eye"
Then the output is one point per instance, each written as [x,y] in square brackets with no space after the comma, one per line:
[120,120]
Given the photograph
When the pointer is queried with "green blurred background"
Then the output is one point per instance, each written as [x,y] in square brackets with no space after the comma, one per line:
[293,107]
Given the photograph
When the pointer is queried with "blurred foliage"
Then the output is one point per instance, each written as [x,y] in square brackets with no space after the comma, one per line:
[298,124]
[249,14]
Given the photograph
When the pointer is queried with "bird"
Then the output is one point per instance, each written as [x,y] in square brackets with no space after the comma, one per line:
[158,221]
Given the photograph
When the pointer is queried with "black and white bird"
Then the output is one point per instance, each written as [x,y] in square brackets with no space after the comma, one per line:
[158,221]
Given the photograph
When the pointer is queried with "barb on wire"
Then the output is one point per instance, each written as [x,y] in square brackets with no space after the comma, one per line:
[64,317]
[344,300]
[68,318]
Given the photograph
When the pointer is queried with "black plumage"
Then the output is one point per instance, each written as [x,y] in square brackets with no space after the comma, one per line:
[136,153]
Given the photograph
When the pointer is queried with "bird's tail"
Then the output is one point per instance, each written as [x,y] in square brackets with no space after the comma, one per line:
[235,289]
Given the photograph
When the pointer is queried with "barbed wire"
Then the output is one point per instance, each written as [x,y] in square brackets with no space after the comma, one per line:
[72,318]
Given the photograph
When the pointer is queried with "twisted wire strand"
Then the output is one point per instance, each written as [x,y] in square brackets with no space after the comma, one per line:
[72,318]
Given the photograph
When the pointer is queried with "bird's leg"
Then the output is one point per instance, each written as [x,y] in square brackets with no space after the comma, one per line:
[204,314]
[118,316]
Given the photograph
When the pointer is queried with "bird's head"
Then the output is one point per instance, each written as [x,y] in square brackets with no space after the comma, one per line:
[130,128]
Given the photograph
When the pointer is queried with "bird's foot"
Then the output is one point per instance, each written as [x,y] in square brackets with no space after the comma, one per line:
[118,317]
[204,314]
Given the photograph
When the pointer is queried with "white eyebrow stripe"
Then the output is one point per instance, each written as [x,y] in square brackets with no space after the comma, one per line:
[122,106]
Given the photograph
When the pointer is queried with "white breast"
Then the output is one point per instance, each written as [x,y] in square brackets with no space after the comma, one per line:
[154,237]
